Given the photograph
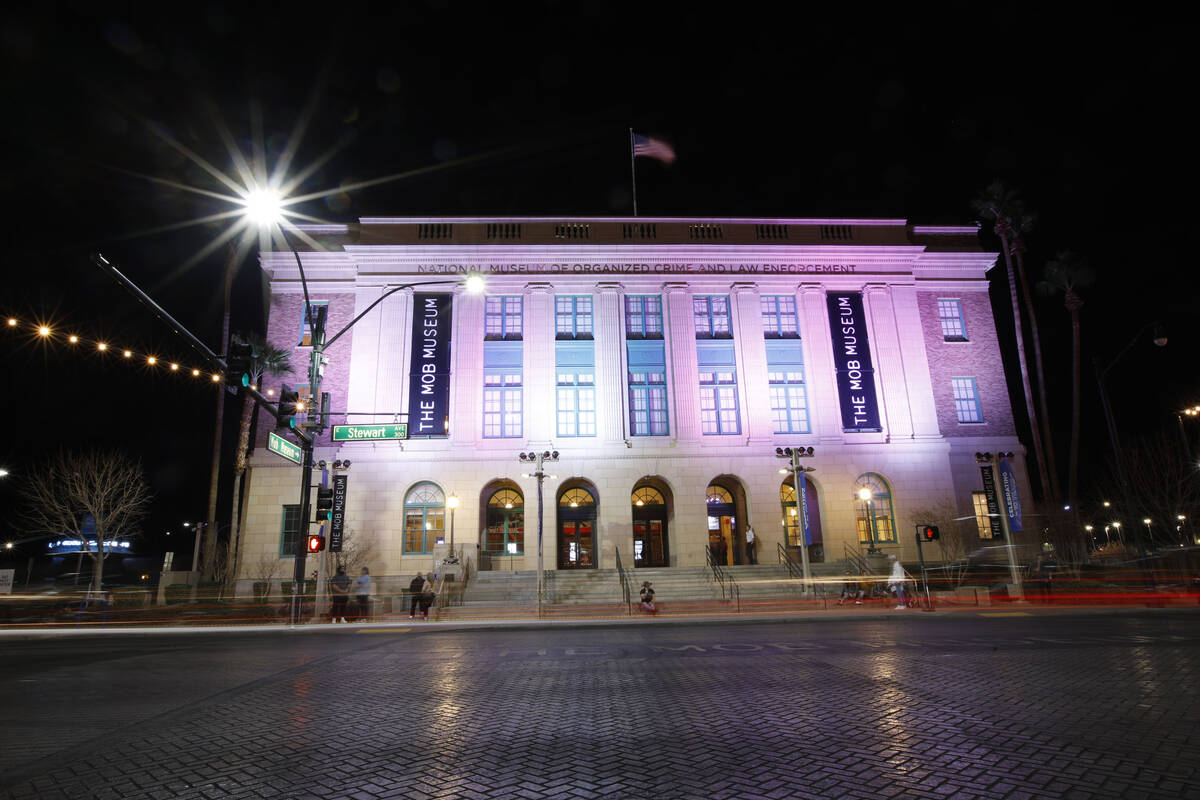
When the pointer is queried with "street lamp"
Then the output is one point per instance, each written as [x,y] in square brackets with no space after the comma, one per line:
[794,454]
[540,473]
[864,494]
[1149,536]
[452,503]
[264,207]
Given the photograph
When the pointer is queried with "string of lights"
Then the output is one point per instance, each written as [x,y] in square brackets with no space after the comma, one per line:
[46,333]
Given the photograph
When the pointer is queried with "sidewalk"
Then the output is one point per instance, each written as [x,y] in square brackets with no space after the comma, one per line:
[609,615]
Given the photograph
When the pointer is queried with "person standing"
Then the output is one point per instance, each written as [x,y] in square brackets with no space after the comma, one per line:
[339,588]
[415,589]
[362,594]
[428,595]
[896,581]
[751,546]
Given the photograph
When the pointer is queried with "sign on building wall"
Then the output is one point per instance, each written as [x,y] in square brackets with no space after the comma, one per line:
[1010,493]
[429,376]
[993,500]
[852,360]
[337,519]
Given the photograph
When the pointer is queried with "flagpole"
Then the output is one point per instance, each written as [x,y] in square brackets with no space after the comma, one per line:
[633,171]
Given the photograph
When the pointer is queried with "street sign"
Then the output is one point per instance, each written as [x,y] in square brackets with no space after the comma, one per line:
[366,433]
[281,446]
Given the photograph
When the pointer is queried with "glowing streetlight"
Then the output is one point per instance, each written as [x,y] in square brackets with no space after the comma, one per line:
[864,494]
[263,206]
[43,331]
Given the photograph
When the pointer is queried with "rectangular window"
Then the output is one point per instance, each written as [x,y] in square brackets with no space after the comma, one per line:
[883,530]
[289,535]
[576,404]
[643,317]
[779,317]
[718,403]
[503,318]
[789,401]
[502,409]
[951,316]
[320,312]
[983,519]
[711,314]
[966,400]
[422,528]
[572,317]
[648,403]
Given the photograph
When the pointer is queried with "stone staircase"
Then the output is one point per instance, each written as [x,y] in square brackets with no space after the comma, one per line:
[598,591]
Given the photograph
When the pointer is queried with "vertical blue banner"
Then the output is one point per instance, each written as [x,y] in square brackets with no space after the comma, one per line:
[1010,494]
[429,375]
[852,360]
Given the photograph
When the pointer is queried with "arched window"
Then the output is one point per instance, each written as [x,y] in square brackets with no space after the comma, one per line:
[424,517]
[718,494]
[874,515]
[647,496]
[505,522]
[576,498]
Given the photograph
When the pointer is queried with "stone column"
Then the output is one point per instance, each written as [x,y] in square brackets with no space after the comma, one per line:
[610,370]
[364,357]
[395,341]
[752,364]
[896,417]
[541,380]
[819,371]
[684,396]
[466,415]
[916,363]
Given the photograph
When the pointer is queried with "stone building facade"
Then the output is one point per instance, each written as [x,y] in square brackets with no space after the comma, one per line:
[665,360]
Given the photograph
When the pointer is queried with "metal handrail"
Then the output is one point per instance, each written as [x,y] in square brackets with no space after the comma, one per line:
[856,558]
[626,592]
[729,587]
[785,558]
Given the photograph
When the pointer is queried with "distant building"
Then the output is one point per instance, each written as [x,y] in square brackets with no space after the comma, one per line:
[665,360]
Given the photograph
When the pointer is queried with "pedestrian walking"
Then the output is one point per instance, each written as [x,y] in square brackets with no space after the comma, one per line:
[647,598]
[896,581]
[428,595]
[339,589]
[362,595]
[751,546]
[416,588]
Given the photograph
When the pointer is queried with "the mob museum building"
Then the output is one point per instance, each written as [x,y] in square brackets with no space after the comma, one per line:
[664,360]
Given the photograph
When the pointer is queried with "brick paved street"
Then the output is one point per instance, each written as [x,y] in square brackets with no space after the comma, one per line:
[922,706]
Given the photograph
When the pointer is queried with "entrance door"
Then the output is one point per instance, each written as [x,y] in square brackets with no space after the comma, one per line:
[650,546]
[576,530]
[722,526]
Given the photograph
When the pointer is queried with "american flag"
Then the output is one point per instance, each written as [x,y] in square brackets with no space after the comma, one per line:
[653,148]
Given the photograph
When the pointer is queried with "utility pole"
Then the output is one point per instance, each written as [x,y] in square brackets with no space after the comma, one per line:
[538,459]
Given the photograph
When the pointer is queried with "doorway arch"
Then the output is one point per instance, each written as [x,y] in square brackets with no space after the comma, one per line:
[725,502]
[651,510]
[577,527]
[503,527]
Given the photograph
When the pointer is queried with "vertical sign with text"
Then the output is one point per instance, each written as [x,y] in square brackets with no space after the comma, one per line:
[852,360]
[993,502]
[337,520]
[429,375]
[1010,493]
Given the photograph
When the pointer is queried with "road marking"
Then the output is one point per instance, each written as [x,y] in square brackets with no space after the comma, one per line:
[384,630]
[1005,614]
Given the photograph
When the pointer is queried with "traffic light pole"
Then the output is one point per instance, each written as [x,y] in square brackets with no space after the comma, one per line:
[924,575]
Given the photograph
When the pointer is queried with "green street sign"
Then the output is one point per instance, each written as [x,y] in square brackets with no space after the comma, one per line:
[281,446]
[369,433]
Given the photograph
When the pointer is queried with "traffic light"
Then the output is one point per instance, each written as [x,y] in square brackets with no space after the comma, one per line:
[928,533]
[289,399]
[237,363]
[324,502]
[316,543]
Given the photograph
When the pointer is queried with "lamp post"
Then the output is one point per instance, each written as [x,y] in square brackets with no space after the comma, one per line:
[864,494]
[1160,340]
[1194,411]
[452,503]
[794,454]
[1149,535]
[539,472]
[265,208]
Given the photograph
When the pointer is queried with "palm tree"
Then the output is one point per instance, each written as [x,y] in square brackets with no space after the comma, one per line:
[265,359]
[1022,225]
[233,258]
[1067,273]
[999,205]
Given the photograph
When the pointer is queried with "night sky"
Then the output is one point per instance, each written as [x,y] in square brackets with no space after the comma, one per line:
[527,111]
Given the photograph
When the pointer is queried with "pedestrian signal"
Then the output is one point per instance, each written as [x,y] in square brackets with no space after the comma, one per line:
[316,543]
[928,533]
